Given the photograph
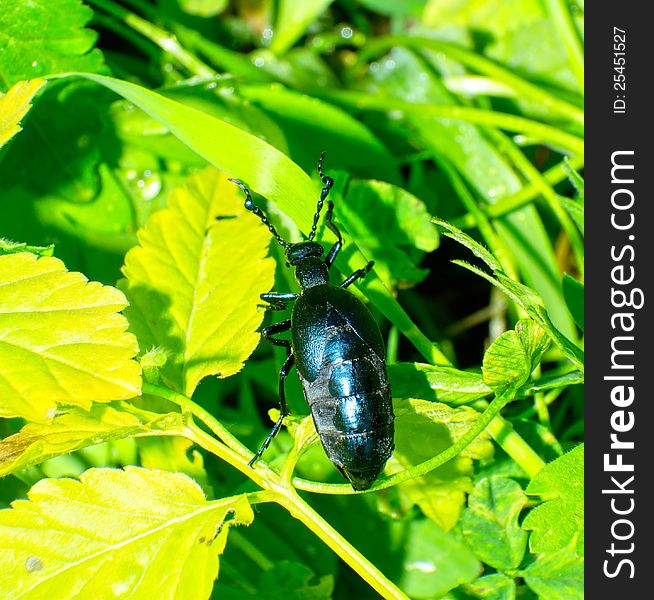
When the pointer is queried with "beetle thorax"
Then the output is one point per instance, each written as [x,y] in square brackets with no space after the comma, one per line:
[311,271]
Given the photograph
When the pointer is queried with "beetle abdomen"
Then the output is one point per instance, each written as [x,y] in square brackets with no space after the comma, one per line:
[351,405]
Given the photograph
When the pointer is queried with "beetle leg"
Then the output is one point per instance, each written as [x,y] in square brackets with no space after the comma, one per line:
[283,409]
[277,328]
[336,248]
[277,300]
[358,274]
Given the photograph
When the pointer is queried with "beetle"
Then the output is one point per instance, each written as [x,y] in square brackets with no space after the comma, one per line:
[338,350]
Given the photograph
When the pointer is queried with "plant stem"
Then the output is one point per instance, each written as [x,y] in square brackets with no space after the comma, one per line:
[515,446]
[207,418]
[165,40]
[423,468]
[544,133]
[536,178]
[523,89]
[366,570]
[526,194]
[558,11]
[279,491]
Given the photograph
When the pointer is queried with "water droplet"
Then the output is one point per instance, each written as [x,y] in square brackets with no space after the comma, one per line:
[212,86]
[33,564]
[424,566]
[259,62]
[267,33]
[492,193]
[35,63]
[389,64]
[374,67]
[346,32]
[146,183]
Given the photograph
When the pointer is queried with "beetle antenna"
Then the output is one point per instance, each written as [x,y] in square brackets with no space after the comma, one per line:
[327,182]
[251,206]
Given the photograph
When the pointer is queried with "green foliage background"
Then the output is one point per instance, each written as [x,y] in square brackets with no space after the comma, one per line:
[130,276]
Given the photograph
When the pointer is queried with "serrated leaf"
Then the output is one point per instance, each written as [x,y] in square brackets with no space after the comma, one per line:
[560,518]
[294,581]
[131,533]
[490,522]
[492,587]
[195,278]
[371,207]
[533,304]
[45,36]
[422,430]
[465,240]
[9,247]
[437,384]
[14,106]
[270,173]
[573,292]
[62,340]
[512,357]
[35,443]
[557,576]
[176,454]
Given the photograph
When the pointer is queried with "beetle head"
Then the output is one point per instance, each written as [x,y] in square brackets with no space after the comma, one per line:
[310,270]
[296,253]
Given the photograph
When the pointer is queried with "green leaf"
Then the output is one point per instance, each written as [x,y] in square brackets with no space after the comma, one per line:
[294,581]
[557,576]
[293,18]
[271,174]
[434,562]
[492,587]
[465,240]
[437,384]
[62,340]
[490,523]
[45,36]
[134,532]
[371,207]
[175,454]
[422,430]
[560,519]
[9,247]
[411,81]
[76,429]
[512,357]
[575,179]
[14,106]
[239,154]
[195,278]
[573,292]
[312,126]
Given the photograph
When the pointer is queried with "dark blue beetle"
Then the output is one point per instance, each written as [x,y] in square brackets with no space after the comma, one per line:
[339,353]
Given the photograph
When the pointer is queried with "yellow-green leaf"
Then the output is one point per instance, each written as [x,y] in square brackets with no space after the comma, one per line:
[512,357]
[135,533]
[14,105]
[37,442]
[195,278]
[62,340]
[422,430]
